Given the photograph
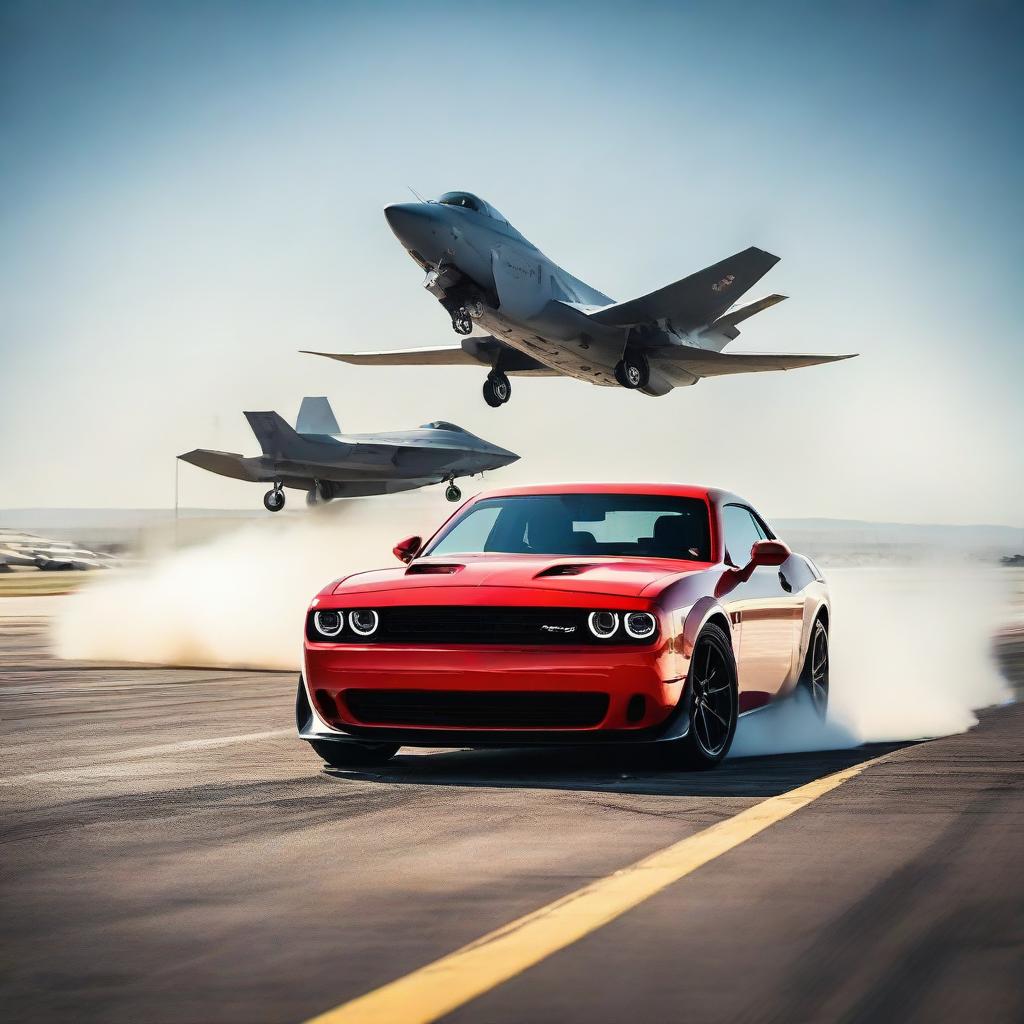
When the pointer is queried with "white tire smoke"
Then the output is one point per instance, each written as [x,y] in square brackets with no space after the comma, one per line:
[910,646]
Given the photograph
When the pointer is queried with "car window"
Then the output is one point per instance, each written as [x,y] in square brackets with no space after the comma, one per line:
[642,525]
[762,527]
[469,534]
[741,533]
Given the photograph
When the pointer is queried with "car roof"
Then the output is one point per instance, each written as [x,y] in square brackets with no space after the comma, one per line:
[711,494]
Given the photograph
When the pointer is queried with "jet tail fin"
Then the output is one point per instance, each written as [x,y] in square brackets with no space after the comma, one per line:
[276,438]
[316,417]
[696,300]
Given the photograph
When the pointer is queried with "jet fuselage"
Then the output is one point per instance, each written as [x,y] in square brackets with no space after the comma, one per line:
[521,296]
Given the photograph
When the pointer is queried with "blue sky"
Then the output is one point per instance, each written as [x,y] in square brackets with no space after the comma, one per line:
[193,192]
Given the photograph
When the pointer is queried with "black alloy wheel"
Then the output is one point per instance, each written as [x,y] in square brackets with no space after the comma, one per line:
[815,675]
[714,699]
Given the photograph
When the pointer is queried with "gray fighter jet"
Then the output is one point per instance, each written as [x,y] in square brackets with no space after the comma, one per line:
[547,323]
[317,458]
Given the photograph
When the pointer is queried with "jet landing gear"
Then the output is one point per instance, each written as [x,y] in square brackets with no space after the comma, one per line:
[497,389]
[319,494]
[452,493]
[463,317]
[273,500]
[462,322]
[632,372]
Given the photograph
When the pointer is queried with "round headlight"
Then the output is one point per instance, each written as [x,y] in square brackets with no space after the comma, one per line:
[328,622]
[603,624]
[364,621]
[639,625]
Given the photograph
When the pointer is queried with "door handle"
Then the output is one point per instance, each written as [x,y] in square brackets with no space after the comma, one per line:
[786,585]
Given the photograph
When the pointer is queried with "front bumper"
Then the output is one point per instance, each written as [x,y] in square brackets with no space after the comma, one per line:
[624,675]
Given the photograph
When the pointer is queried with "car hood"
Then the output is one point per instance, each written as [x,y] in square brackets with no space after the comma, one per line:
[619,577]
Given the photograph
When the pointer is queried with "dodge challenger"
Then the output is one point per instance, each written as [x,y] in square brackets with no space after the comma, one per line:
[567,614]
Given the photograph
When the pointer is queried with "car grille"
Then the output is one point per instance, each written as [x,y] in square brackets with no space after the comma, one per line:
[475,624]
[472,709]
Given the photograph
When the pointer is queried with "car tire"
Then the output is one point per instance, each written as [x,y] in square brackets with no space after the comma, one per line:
[814,678]
[353,755]
[713,696]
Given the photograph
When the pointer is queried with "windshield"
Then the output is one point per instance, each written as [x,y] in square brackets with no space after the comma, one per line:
[641,525]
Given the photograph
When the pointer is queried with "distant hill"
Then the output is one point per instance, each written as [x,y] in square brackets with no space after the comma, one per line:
[834,541]
[857,542]
[979,535]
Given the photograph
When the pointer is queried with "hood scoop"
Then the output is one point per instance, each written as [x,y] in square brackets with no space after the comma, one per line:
[567,569]
[432,569]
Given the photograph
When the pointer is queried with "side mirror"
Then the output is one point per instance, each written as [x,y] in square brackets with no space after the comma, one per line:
[406,550]
[768,552]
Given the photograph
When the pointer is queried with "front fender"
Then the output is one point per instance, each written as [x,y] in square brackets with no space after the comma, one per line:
[696,619]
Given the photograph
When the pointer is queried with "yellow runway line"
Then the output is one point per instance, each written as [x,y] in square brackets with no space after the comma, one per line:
[440,987]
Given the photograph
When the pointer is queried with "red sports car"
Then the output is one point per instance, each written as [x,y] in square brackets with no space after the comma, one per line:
[567,614]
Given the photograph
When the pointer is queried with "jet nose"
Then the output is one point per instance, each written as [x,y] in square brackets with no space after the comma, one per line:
[503,457]
[408,221]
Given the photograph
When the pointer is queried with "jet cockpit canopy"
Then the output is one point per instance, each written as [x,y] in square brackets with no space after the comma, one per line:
[444,425]
[468,201]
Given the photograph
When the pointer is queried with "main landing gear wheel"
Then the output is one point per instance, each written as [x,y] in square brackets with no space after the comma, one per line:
[632,372]
[353,755]
[273,500]
[462,322]
[319,493]
[815,675]
[452,493]
[714,700]
[497,390]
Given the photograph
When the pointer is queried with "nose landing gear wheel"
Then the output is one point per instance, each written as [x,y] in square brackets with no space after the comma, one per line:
[273,500]
[632,372]
[462,322]
[452,493]
[497,390]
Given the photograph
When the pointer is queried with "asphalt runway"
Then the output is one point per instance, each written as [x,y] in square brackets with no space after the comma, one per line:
[172,853]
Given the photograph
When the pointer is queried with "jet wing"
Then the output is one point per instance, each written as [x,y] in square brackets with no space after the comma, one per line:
[707,363]
[224,463]
[449,355]
[476,351]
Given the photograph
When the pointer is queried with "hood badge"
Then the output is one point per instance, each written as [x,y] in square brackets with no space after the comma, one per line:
[558,629]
